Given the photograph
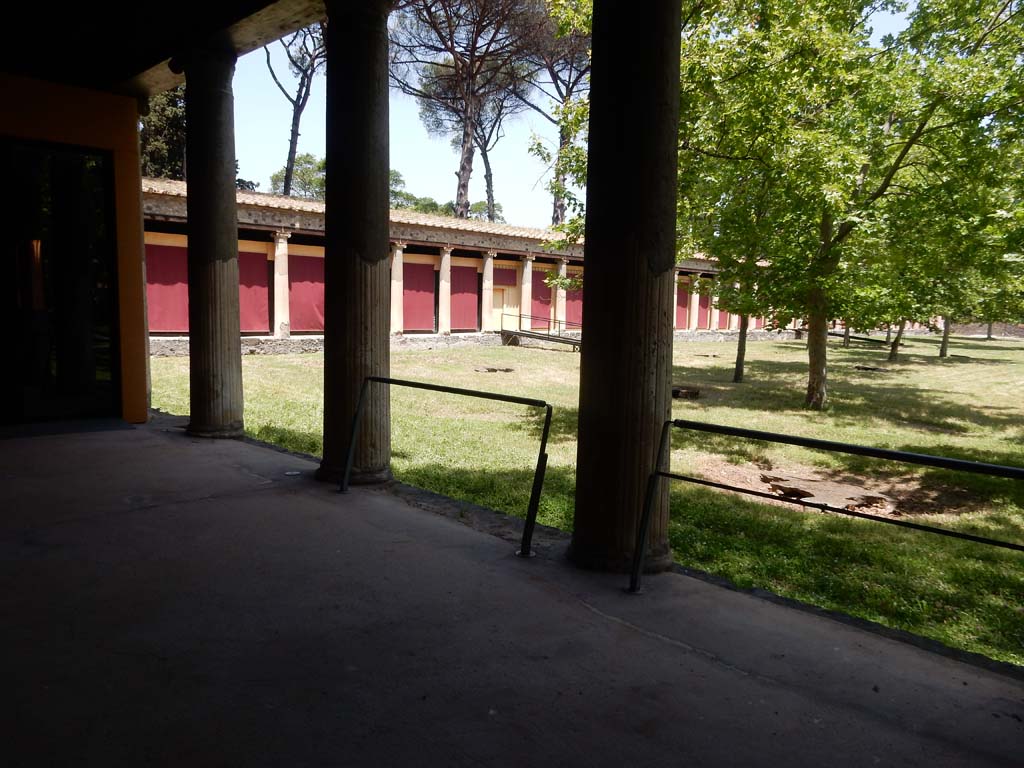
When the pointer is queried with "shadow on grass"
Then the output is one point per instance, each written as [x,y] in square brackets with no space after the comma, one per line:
[563,424]
[964,594]
[506,491]
[291,439]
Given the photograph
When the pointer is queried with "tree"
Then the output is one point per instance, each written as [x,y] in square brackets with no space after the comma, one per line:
[307,55]
[458,53]
[795,100]
[560,56]
[162,136]
[308,177]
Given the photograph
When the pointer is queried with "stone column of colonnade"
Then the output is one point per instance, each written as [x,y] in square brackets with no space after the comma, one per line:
[526,294]
[694,323]
[675,296]
[397,288]
[625,393]
[444,292]
[357,288]
[215,356]
[282,298]
[560,296]
[487,293]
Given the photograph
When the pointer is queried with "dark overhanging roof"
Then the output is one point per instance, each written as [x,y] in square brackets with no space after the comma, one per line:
[126,48]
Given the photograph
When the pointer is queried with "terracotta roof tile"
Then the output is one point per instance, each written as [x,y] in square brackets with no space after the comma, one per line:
[398,216]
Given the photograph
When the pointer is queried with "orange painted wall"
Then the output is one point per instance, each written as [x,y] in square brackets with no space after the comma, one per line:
[40,111]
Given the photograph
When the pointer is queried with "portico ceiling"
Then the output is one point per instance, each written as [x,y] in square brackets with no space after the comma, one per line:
[126,48]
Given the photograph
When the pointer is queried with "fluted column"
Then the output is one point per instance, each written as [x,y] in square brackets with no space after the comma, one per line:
[630,250]
[560,295]
[444,292]
[526,294]
[694,323]
[487,293]
[282,296]
[357,286]
[397,289]
[675,299]
[215,355]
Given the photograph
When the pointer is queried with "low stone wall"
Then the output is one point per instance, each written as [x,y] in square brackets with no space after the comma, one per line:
[981,329]
[177,346]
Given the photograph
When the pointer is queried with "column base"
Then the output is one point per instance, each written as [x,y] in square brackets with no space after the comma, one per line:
[326,473]
[655,562]
[230,431]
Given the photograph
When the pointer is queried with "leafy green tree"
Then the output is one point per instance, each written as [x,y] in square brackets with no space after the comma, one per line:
[793,103]
[308,177]
[162,136]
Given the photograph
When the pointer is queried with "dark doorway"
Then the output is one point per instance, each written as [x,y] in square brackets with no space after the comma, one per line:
[58,283]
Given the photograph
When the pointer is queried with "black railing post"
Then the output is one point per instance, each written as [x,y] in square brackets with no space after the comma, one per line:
[356,418]
[640,547]
[538,484]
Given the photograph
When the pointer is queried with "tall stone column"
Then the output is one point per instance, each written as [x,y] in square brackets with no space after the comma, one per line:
[526,294]
[487,293]
[675,299]
[630,255]
[215,354]
[444,292]
[397,289]
[282,295]
[560,296]
[694,323]
[357,286]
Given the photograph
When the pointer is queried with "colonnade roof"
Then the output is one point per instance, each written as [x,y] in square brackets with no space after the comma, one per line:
[164,199]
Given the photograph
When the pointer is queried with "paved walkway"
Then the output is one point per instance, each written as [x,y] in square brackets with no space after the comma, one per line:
[167,601]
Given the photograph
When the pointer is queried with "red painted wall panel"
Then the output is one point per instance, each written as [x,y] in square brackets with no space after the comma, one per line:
[703,311]
[505,277]
[574,310]
[683,306]
[167,288]
[541,302]
[254,292]
[306,293]
[464,299]
[723,321]
[758,323]
[418,297]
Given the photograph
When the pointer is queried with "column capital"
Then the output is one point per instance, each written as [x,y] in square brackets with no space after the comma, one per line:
[529,257]
[564,260]
[281,236]
[492,254]
[446,250]
[399,244]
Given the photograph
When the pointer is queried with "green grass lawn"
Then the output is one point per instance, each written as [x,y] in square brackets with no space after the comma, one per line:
[967,406]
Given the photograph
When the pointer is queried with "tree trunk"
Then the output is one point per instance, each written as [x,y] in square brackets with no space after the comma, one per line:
[944,346]
[846,336]
[817,351]
[988,334]
[558,198]
[492,215]
[465,166]
[293,144]
[741,350]
[895,347]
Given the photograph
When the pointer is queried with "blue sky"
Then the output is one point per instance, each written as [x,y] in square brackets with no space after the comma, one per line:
[263,117]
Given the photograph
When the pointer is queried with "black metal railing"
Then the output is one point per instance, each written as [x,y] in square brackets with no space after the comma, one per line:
[542,456]
[550,325]
[905,457]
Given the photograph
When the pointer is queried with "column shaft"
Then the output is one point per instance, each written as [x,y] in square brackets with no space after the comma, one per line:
[675,299]
[397,289]
[357,287]
[282,294]
[560,296]
[526,295]
[694,320]
[444,293]
[487,293]
[625,392]
[215,356]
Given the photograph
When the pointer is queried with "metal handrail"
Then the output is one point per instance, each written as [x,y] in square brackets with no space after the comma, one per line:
[542,456]
[906,457]
[565,323]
